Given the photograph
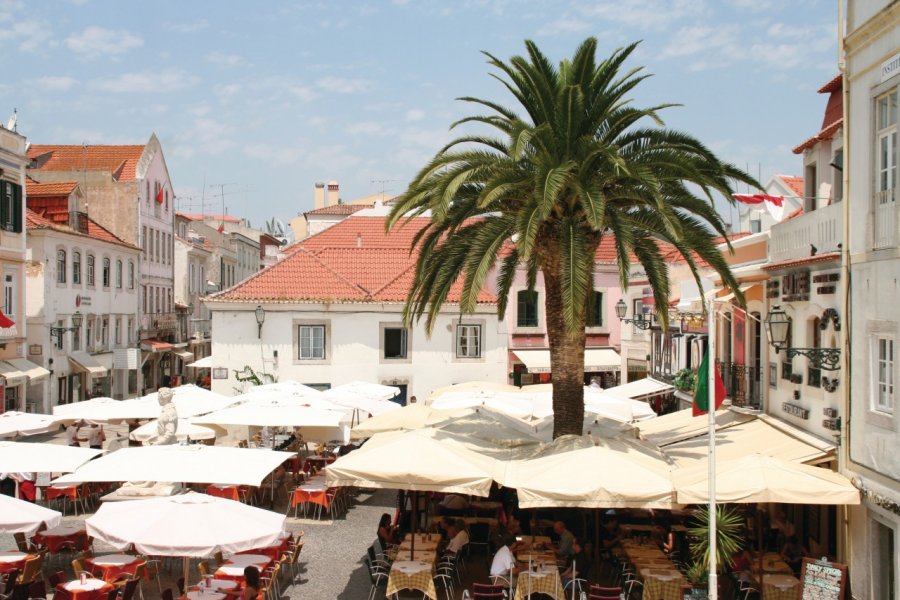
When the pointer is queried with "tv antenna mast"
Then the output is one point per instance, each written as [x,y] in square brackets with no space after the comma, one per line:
[383,188]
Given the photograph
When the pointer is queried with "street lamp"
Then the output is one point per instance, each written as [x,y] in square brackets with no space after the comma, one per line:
[777,327]
[58,332]
[260,319]
[640,322]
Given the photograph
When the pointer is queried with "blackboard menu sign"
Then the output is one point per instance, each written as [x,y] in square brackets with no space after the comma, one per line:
[694,593]
[820,580]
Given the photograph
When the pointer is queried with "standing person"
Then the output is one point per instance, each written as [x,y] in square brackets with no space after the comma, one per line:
[7,485]
[96,436]
[72,438]
[27,490]
[564,545]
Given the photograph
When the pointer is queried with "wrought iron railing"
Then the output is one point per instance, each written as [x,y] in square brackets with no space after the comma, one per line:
[743,383]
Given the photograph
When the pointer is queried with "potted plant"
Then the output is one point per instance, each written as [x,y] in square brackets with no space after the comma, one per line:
[685,380]
[729,528]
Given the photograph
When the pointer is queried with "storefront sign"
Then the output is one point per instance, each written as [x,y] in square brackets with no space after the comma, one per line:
[795,410]
[890,67]
[82,300]
[220,373]
[822,580]
[35,350]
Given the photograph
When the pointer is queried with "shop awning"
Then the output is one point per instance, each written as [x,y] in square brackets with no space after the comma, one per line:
[155,346]
[203,363]
[744,287]
[12,375]
[184,355]
[35,373]
[595,359]
[87,363]
[640,389]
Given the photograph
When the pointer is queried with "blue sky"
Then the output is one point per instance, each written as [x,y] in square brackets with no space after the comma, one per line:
[274,96]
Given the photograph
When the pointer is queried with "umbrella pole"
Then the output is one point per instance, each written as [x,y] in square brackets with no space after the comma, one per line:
[415,525]
[186,566]
[759,539]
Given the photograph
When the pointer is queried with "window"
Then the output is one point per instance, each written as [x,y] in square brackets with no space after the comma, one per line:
[756,224]
[144,241]
[104,333]
[191,280]
[527,314]
[145,300]
[147,197]
[595,310]
[10,206]
[468,341]
[59,340]
[61,266]
[131,336]
[76,338]
[837,174]
[105,272]
[883,375]
[89,334]
[886,144]
[76,268]
[787,364]
[639,311]
[312,342]
[130,274]
[395,342]
[885,556]
[118,274]
[9,295]
[90,269]
[814,375]
[118,332]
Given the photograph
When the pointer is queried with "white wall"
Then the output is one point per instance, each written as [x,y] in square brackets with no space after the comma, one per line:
[353,352]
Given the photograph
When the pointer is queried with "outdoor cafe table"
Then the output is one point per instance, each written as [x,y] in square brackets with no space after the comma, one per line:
[411,575]
[314,492]
[204,594]
[276,550]
[662,583]
[110,567]
[772,563]
[540,581]
[231,492]
[780,587]
[53,538]
[318,461]
[234,566]
[212,590]
[91,589]
[420,545]
[13,560]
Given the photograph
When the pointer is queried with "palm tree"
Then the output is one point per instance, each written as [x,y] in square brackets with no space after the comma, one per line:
[577,164]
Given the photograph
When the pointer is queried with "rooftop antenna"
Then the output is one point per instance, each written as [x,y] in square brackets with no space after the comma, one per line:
[11,124]
[382,182]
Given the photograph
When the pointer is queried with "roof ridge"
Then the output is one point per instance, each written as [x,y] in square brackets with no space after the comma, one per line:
[336,274]
[395,278]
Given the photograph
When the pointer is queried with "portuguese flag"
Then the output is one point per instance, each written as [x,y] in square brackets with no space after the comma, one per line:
[701,389]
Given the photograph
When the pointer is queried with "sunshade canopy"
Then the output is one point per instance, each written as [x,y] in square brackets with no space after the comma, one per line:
[283,388]
[760,478]
[14,423]
[189,400]
[18,516]
[372,406]
[413,460]
[376,391]
[640,389]
[184,464]
[185,525]
[471,386]
[20,457]
[407,418]
[489,425]
[204,363]
[185,431]
[581,472]
[263,412]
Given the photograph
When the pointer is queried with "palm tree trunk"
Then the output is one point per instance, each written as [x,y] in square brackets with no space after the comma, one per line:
[566,360]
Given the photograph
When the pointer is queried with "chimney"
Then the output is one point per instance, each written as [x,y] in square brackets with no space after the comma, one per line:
[319,197]
[333,195]
[359,240]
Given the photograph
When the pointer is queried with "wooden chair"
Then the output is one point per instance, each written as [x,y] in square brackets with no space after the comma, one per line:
[203,568]
[32,571]
[597,592]
[129,587]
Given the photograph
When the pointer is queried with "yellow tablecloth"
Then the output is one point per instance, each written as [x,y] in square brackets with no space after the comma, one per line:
[540,582]
[781,587]
[411,575]
[662,585]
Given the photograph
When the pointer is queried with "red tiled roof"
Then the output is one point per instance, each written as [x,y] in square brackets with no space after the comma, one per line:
[339,209]
[57,188]
[806,260]
[794,214]
[119,161]
[836,83]
[352,261]
[826,134]
[58,221]
[203,217]
[795,183]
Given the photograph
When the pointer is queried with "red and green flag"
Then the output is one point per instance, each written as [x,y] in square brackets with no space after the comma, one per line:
[701,389]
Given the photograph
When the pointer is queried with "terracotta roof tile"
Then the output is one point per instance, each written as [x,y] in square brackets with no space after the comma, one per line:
[794,214]
[204,217]
[795,183]
[805,260]
[826,134]
[339,209]
[119,161]
[57,188]
[835,84]
[36,220]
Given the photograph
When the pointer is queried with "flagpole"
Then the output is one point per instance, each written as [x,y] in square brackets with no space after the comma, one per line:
[713,589]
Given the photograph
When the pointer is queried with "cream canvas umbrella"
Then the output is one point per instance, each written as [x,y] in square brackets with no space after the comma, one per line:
[189,400]
[14,424]
[188,525]
[18,516]
[593,425]
[19,457]
[283,388]
[760,478]
[185,464]
[265,412]
[185,430]
[471,386]
[204,363]
[489,425]
[581,472]
[407,418]
[375,391]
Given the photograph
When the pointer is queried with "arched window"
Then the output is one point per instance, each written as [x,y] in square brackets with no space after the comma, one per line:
[76,268]
[106,273]
[61,266]
[527,314]
[118,274]
[130,274]
[90,269]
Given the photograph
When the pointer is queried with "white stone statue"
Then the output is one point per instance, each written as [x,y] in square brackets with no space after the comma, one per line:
[167,424]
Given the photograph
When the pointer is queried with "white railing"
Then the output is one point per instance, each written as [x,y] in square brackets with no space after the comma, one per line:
[822,228]
[884,219]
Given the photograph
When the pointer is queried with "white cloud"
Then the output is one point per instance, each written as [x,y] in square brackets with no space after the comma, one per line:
[229,61]
[29,35]
[415,114]
[344,85]
[227,90]
[97,41]
[53,84]
[644,14]
[366,128]
[163,81]
[564,24]
[206,136]
[187,27]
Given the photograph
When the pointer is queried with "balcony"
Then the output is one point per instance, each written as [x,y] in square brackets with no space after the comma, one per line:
[822,228]
[743,383]
[199,329]
[884,219]
[160,322]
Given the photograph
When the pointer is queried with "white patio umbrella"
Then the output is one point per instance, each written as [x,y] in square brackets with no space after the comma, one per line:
[13,423]
[204,363]
[283,388]
[407,418]
[184,464]
[471,386]
[375,391]
[35,457]
[18,516]
[624,410]
[189,400]
[263,412]
[593,425]
[364,404]
[188,525]
[185,430]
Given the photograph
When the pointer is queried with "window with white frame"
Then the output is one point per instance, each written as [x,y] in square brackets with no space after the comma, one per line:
[130,274]
[61,266]
[10,206]
[90,269]
[76,337]
[191,280]
[59,340]
[76,268]
[106,269]
[89,334]
[468,341]
[118,332]
[104,333]
[131,332]
[883,373]
[395,342]
[118,274]
[311,342]
[886,142]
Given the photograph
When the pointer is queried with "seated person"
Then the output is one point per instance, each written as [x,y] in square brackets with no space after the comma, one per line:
[610,536]
[458,535]
[742,565]
[564,544]
[250,590]
[505,563]
[579,564]
[792,553]
[387,533]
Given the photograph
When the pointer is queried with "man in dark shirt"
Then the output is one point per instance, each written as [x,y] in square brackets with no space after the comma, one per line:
[579,564]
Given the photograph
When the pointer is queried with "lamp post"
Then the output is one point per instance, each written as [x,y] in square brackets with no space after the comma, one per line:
[778,325]
[639,321]
[58,332]
[260,319]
